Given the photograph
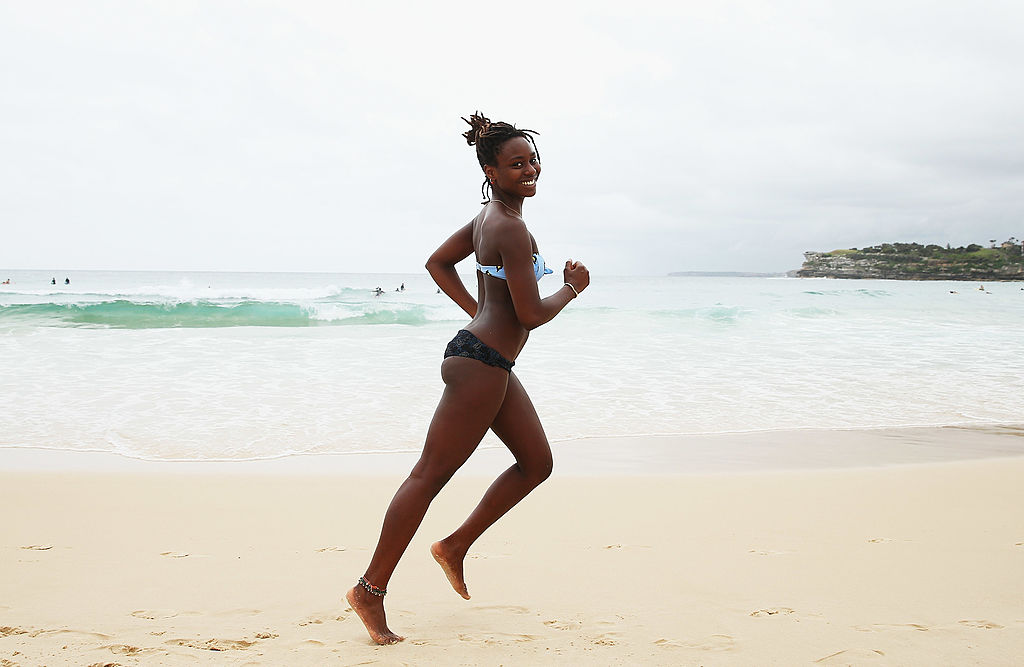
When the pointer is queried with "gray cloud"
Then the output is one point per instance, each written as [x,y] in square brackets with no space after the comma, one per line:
[325,136]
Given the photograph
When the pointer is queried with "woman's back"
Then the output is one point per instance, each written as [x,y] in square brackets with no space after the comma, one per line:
[496,321]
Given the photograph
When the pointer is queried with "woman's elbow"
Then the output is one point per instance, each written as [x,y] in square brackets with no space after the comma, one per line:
[531,321]
[433,265]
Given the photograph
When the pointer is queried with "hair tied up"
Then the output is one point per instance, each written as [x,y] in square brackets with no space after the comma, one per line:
[478,125]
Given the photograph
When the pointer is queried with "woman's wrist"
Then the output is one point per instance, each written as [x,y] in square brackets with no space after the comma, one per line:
[574,292]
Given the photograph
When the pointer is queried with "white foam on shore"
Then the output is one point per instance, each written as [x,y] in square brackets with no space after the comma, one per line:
[652,356]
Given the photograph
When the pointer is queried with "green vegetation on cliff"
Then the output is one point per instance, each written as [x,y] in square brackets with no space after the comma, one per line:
[913,261]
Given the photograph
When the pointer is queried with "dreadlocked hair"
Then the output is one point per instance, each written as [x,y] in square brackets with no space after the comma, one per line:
[488,138]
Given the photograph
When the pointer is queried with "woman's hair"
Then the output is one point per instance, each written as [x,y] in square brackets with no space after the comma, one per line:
[488,138]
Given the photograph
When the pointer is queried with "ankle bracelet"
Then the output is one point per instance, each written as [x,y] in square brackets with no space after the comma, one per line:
[371,589]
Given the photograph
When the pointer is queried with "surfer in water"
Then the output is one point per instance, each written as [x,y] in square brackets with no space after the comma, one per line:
[481,392]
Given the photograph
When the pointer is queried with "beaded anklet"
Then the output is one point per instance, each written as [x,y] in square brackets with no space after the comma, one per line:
[371,589]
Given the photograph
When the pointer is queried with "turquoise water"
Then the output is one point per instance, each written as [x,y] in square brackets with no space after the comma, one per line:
[171,365]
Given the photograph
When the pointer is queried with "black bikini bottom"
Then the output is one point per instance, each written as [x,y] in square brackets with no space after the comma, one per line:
[465,344]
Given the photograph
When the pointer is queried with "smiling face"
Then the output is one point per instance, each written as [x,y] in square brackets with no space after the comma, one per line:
[517,168]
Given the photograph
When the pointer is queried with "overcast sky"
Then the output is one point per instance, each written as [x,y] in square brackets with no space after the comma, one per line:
[325,136]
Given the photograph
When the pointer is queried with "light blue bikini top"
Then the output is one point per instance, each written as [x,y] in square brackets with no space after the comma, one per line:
[498,271]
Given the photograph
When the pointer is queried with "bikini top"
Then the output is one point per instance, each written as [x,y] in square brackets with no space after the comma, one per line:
[498,271]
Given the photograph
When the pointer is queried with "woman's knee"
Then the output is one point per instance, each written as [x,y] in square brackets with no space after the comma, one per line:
[433,475]
[537,469]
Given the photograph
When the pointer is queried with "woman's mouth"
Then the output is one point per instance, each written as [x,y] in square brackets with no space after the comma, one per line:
[531,182]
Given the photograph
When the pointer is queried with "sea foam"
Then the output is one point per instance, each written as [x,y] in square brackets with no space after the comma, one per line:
[230,366]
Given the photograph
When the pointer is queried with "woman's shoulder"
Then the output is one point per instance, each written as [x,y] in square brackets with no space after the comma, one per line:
[501,223]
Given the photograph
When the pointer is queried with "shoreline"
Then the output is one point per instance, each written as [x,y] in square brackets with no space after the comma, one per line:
[633,456]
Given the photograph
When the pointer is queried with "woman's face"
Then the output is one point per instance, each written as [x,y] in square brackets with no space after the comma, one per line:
[517,168]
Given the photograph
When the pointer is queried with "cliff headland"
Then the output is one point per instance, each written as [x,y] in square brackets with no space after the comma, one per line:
[913,261]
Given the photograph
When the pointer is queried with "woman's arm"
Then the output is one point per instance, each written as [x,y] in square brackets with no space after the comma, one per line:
[516,249]
[441,267]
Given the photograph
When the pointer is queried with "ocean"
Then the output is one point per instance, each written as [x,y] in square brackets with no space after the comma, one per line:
[229,366]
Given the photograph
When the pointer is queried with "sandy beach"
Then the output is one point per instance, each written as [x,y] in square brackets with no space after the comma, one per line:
[107,563]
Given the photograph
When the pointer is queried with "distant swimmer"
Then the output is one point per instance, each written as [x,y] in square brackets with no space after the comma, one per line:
[6,282]
[378,291]
[67,281]
[53,281]
[981,288]
[402,287]
[953,291]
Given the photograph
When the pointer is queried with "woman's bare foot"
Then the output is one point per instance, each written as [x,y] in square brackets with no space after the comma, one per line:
[370,610]
[451,563]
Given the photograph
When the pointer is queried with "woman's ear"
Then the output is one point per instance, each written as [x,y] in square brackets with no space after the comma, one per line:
[489,173]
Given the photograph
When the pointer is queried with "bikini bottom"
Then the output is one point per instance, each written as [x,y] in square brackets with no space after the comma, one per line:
[465,344]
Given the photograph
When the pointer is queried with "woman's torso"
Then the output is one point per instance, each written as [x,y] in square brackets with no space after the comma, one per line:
[495,322]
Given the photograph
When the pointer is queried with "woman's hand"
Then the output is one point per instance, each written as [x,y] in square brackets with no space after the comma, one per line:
[576,275]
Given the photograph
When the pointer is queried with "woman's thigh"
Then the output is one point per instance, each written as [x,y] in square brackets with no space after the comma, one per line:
[473,394]
[519,427]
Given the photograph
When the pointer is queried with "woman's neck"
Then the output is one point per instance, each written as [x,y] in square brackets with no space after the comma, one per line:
[512,202]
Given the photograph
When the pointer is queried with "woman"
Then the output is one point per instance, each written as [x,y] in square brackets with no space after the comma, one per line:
[481,392]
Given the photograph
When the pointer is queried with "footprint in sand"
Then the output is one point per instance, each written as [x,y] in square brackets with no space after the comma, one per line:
[606,639]
[766,552]
[221,644]
[851,656]
[153,614]
[318,620]
[213,644]
[173,554]
[39,547]
[7,631]
[496,638]
[65,631]
[710,643]
[563,625]
[125,649]
[981,625]
[884,627]
[322,550]
[772,611]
